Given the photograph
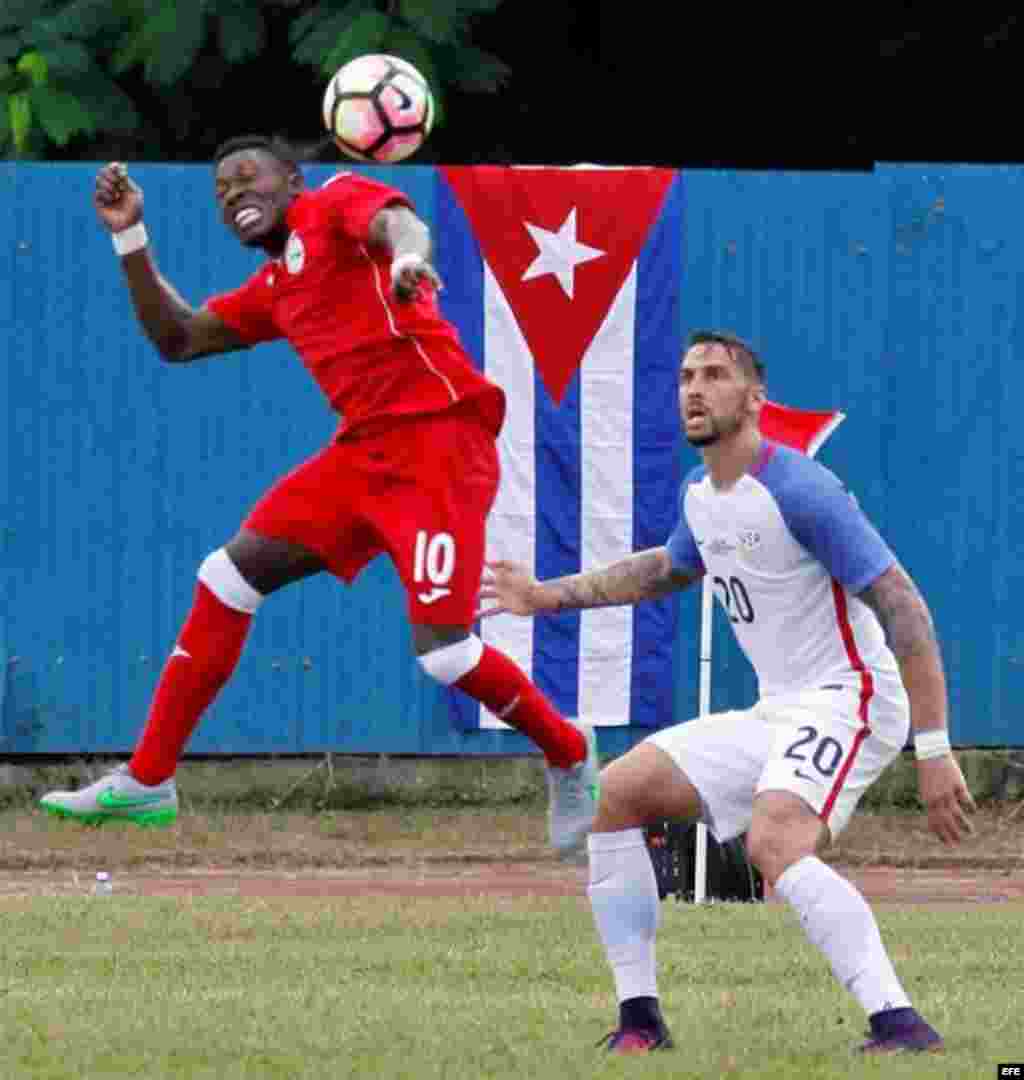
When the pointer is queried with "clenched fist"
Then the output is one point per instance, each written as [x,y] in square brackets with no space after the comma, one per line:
[117,198]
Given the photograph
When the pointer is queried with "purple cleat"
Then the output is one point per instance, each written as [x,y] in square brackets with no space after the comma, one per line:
[897,1031]
[637,1040]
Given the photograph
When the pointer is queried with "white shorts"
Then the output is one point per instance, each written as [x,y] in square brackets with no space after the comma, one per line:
[813,744]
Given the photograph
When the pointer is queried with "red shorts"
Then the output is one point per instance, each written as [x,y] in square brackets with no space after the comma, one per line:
[420,490]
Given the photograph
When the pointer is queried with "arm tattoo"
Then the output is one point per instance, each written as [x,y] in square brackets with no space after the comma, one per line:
[646,575]
[901,610]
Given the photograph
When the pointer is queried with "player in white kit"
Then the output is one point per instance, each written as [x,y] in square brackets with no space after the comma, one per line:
[847,666]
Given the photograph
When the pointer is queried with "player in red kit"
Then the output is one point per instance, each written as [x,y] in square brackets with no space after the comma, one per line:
[411,471]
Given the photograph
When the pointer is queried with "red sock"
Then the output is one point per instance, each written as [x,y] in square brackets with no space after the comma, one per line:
[202,662]
[497,683]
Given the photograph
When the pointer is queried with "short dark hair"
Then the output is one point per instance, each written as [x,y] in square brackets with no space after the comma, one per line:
[271,144]
[739,349]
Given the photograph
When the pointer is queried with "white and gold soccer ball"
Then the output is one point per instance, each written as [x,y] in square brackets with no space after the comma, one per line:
[378,108]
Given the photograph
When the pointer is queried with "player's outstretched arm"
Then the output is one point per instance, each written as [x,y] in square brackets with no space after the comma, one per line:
[909,631]
[645,575]
[175,328]
[406,238]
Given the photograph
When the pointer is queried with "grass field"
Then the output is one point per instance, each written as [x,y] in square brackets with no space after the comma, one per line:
[275,986]
[486,987]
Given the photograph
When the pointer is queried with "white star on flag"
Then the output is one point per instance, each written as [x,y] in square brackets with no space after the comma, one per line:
[559,253]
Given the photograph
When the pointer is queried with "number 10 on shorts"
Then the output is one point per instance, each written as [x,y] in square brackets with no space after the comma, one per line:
[433,564]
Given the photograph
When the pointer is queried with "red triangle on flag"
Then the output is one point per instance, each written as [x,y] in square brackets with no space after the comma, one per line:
[560,243]
[802,429]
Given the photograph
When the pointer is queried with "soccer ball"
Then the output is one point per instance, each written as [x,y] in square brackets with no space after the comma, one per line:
[378,108]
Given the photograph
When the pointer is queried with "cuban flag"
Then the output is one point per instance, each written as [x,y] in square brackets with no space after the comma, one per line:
[803,429]
[564,285]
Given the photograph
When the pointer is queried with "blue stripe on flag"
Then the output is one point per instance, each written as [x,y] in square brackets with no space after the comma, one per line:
[556,638]
[458,259]
[657,452]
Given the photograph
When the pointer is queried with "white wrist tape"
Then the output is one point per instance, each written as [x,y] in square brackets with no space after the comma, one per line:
[410,258]
[931,744]
[134,238]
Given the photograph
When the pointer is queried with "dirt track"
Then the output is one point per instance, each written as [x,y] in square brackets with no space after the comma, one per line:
[879,884]
[891,857]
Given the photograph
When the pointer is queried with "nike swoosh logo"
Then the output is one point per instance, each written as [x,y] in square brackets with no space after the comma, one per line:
[430,597]
[179,651]
[110,800]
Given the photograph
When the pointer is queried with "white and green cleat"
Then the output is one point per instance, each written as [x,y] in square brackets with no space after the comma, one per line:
[118,796]
[573,795]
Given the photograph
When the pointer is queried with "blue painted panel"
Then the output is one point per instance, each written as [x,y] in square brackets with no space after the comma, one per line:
[895,297]
[127,471]
[796,263]
[957,448]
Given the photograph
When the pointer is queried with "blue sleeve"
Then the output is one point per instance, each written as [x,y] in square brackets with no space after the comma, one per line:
[682,548]
[826,520]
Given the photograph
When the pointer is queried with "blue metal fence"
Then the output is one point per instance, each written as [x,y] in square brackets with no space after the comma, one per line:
[893,296]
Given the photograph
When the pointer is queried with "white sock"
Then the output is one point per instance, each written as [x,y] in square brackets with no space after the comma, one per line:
[623,894]
[838,921]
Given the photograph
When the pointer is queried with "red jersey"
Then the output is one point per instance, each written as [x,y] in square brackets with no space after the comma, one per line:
[329,296]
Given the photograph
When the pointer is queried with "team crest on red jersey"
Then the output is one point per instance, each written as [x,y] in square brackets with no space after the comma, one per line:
[560,243]
[294,253]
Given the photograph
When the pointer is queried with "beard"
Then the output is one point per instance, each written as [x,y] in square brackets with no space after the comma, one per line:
[720,427]
[704,440]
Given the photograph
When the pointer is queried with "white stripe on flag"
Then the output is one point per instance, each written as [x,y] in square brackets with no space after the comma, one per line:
[510,526]
[606,437]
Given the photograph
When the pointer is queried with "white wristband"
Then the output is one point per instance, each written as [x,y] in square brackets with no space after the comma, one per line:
[410,258]
[931,744]
[134,238]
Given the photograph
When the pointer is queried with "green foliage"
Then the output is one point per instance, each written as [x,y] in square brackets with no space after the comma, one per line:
[84,20]
[61,114]
[242,34]
[67,56]
[436,20]
[19,111]
[472,69]
[33,65]
[167,36]
[64,64]
[317,33]
[363,34]
[57,87]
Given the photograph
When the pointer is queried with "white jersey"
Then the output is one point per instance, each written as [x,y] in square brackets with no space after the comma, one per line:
[786,549]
